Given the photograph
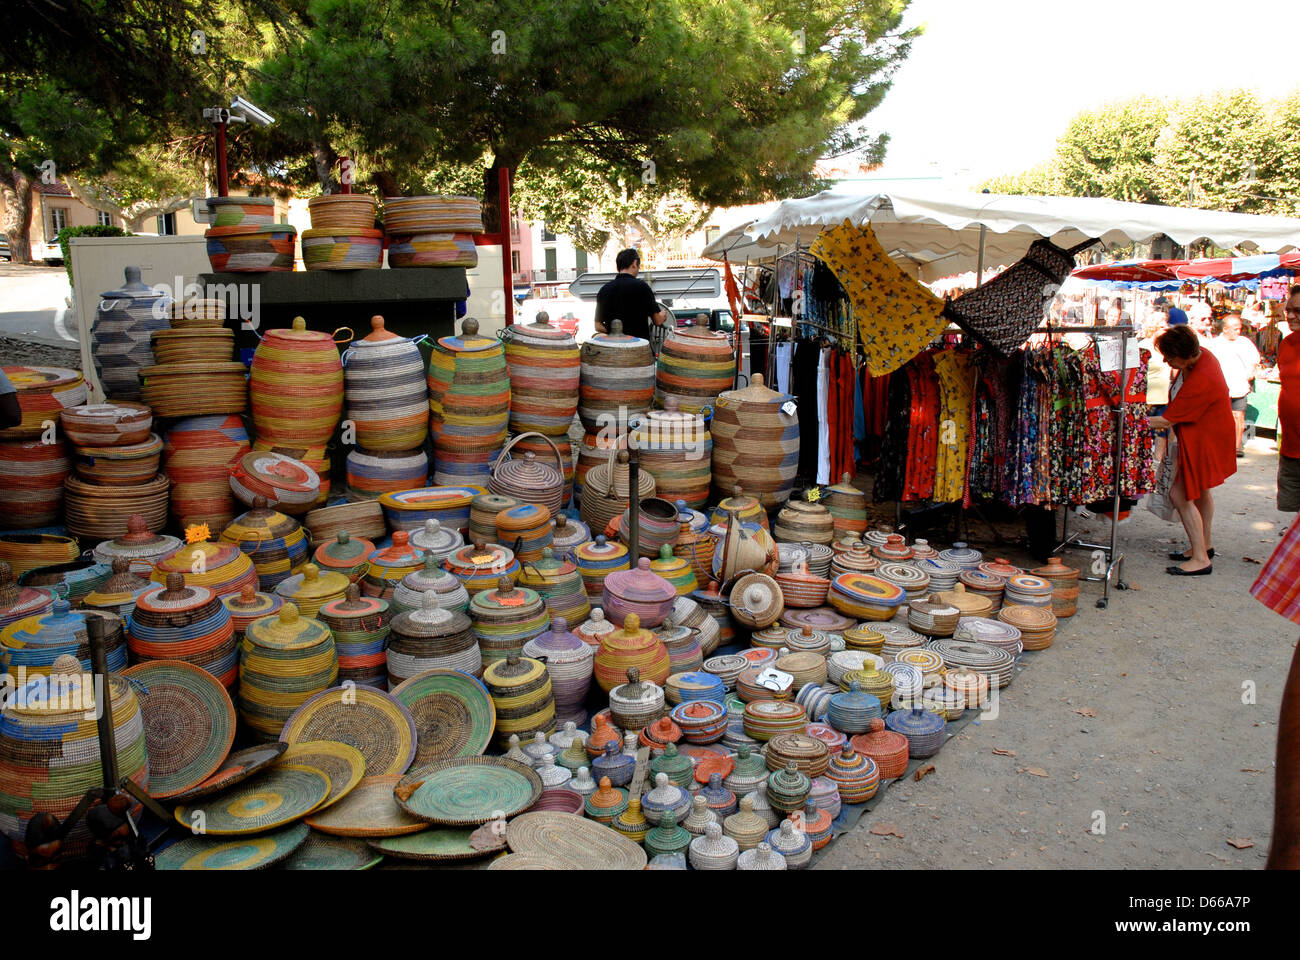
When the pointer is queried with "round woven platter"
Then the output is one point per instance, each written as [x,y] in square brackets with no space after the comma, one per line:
[323,852]
[239,766]
[246,853]
[449,843]
[189,723]
[575,842]
[468,791]
[528,861]
[369,810]
[271,799]
[374,722]
[343,763]
[453,712]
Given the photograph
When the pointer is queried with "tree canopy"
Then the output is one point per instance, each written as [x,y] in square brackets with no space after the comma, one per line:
[1229,151]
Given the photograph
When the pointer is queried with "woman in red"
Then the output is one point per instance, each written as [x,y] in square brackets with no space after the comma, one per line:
[1201,414]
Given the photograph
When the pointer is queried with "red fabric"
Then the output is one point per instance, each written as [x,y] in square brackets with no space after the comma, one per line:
[1288,401]
[923,429]
[1278,584]
[844,461]
[1207,436]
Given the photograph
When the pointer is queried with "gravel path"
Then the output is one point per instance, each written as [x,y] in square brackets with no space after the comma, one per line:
[17,352]
[1173,758]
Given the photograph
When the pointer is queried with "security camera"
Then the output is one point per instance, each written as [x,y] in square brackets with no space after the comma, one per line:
[252,112]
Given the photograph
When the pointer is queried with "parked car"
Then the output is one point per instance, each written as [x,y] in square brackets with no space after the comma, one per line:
[4,248]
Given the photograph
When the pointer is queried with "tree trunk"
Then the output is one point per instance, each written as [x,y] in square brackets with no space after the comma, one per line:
[387,183]
[16,188]
[325,158]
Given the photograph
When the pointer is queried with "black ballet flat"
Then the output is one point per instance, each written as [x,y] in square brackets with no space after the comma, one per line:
[1180,572]
[1183,556]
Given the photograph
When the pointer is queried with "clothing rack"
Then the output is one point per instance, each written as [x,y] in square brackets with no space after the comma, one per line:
[1114,559]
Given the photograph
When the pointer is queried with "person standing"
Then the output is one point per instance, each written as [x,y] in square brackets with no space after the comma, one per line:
[1239,359]
[1201,414]
[629,299]
[1288,412]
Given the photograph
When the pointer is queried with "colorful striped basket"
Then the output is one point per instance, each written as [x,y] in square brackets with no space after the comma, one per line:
[285,483]
[30,646]
[31,482]
[617,380]
[385,393]
[526,529]
[450,506]
[43,394]
[179,622]
[677,450]
[755,441]
[284,661]
[695,365]
[432,250]
[372,473]
[221,567]
[342,248]
[360,626]
[506,618]
[296,387]
[469,404]
[195,389]
[544,366]
[265,248]
[480,566]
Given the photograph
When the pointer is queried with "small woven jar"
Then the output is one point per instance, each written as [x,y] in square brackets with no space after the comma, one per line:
[604,803]
[507,618]
[726,668]
[283,662]
[274,542]
[745,826]
[437,540]
[1065,586]
[636,703]
[747,773]
[566,733]
[817,824]
[816,700]
[360,626]
[603,731]
[854,710]
[888,749]
[631,823]
[1037,625]
[667,838]
[787,790]
[521,692]
[970,688]
[595,628]
[614,765]
[855,774]
[567,535]
[526,529]
[631,647]
[667,798]
[312,589]
[806,668]
[582,784]
[807,640]
[249,605]
[802,589]
[385,568]
[574,756]
[969,603]
[659,734]
[344,555]
[597,560]
[540,750]
[809,755]
[570,663]
[793,845]
[684,656]
[749,508]
[431,638]
[676,570]
[864,637]
[701,721]
[552,775]
[894,548]
[924,730]
[691,685]
[762,857]
[139,546]
[800,522]
[481,566]
[756,601]
[720,800]
[676,766]
[857,559]
[713,850]
[448,592]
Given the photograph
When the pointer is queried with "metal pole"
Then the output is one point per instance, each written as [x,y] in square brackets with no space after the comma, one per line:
[979,268]
[507,273]
[633,502]
[223,178]
[96,627]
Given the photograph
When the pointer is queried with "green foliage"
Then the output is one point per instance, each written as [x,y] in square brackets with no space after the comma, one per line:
[94,230]
[714,93]
[1228,151]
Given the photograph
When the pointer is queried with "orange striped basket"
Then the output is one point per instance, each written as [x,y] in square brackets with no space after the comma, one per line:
[296,387]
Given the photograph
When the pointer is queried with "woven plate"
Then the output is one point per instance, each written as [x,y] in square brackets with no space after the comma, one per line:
[341,762]
[444,844]
[323,852]
[453,712]
[370,810]
[371,720]
[239,766]
[272,799]
[577,843]
[528,861]
[468,791]
[189,723]
[249,853]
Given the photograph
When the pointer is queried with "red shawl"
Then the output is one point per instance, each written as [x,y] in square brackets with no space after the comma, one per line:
[1207,436]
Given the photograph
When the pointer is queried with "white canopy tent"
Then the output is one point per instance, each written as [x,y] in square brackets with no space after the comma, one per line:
[941,234]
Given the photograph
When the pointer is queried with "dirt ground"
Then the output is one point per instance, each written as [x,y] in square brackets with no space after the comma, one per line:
[1179,755]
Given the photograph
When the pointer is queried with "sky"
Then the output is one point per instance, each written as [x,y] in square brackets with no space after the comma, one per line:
[991,84]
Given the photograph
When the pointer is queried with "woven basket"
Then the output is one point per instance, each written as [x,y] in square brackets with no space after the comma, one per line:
[695,365]
[432,250]
[342,248]
[107,424]
[529,480]
[436,213]
[128,465]
[266,248]
[43,394]
[342,211]
[385,394]
[296,387]
[364,520]
[101,513]
[544,366]
[198,455]
[469,404]
[200,345]
[618,380]
[677,450]
[755,441]
[31,482]
[179,622]
[195,389]
[607,492]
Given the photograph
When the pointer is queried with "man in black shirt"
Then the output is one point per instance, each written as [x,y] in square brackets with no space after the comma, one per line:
[629,299]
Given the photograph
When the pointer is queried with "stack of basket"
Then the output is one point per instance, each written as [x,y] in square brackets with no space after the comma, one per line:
[469,404]
[31,482]
[677,450]
[434,231]
[116,477]
[343,234]
[544,375]
[386,401]
[244,237]
[848,506]
[194,374]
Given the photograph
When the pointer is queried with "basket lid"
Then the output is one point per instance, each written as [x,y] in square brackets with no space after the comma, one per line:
[400,554]
[249,603]
[640,585]
[469,341]
[601,549]
[352,604]
[617,337]
[542,329]
[313,584]
[514,671]
[436,538]
[344,551]
[133,288]
[174,597]
[298,333]
[378,332]
[430,620]
[756,392]
[288,630]
[916,722]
